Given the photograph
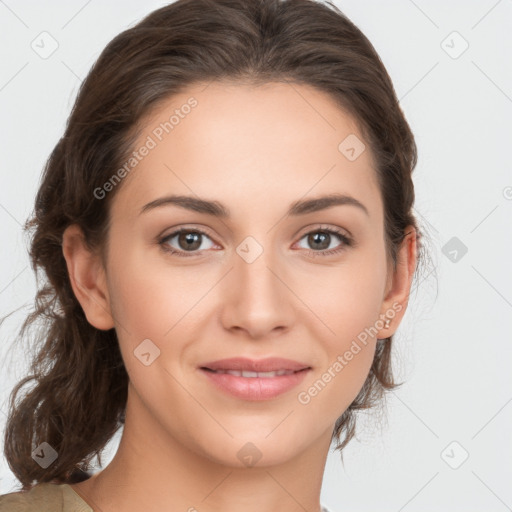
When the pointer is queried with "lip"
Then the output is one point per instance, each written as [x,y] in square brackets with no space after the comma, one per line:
[255,388]
[269,364]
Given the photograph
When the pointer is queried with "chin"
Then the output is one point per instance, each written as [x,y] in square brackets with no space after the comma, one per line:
[255,448]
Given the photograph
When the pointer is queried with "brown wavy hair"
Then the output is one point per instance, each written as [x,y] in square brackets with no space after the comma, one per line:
[78,399]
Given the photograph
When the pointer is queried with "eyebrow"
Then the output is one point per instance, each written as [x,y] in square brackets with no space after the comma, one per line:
[217,209]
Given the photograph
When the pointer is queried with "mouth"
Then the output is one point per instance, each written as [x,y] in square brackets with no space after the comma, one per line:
[253,380]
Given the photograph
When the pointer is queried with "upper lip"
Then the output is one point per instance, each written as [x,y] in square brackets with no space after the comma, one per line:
[270,364]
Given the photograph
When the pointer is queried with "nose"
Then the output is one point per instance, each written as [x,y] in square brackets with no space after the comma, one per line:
[257,299]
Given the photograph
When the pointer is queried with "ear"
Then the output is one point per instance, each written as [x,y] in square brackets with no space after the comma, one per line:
[87,276]
[398,286]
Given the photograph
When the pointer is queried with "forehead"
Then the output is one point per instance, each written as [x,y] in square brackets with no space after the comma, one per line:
[242,143]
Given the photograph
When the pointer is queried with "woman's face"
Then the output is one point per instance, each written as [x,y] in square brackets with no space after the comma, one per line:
[259,282]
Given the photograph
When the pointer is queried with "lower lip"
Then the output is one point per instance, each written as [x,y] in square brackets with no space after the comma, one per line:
[255,388]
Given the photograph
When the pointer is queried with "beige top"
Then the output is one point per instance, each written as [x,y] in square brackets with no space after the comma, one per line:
[50,498]
[44,498]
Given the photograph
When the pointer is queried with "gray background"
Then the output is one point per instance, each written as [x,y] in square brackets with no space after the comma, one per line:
[454,345]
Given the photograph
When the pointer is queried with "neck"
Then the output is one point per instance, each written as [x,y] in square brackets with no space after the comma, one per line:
[153,471]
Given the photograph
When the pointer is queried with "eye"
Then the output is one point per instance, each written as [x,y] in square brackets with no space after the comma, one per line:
[188,241]
[321,239]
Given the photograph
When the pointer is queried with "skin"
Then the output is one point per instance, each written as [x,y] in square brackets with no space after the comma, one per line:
[256,150]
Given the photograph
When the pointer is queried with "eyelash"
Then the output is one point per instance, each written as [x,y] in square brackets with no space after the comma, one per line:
[347,242]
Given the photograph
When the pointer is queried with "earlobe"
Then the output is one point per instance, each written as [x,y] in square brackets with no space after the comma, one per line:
[87,276]
[397,297]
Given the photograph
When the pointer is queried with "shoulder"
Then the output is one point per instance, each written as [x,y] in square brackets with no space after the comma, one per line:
[43,497]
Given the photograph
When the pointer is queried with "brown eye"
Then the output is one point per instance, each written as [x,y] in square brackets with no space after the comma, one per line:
[319,242]
[187,241]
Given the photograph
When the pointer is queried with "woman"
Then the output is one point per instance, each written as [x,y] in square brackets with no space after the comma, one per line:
[227,232]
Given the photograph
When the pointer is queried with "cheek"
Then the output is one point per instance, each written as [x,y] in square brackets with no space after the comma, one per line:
[349,355]
[347,299]
[148,304]
[148,295]
[153,300]
[346,303]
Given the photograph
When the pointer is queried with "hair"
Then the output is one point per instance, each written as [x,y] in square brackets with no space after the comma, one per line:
[78,400]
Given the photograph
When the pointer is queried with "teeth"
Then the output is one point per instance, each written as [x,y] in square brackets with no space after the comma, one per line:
[244,373]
